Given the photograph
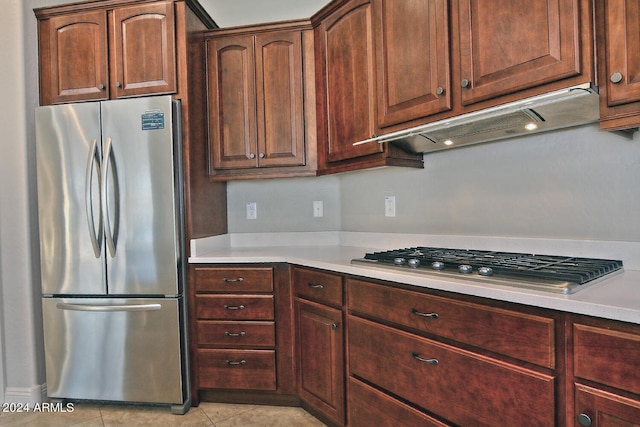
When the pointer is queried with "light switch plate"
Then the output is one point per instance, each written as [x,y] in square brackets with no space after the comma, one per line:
[318,209]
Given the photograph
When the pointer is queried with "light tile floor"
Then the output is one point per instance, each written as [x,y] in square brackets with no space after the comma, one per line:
[207,414]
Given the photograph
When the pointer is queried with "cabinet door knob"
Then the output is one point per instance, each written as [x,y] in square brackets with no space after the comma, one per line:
[101,86]
[261,155]
[252,156]
[616,77]
[118,84]
[439,90]
[465,83]
[334,326]
[584,420]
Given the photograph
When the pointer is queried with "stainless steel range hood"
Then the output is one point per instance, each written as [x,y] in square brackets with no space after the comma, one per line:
[568,107]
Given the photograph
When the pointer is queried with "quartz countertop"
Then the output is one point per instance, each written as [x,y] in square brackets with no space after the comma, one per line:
[616,297]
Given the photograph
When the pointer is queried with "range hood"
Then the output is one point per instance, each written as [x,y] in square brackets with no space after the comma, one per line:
[573,106]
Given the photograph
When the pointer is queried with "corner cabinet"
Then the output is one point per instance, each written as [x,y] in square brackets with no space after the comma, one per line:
[618,44]
[260,101]
[319,336]
[113,52]
[346,91]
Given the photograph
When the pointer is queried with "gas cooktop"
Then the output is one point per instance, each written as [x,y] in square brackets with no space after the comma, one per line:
[552,273]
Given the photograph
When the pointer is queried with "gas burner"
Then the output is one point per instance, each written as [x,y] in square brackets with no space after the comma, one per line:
[560,274]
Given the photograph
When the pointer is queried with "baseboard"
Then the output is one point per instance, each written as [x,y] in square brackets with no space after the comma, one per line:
[26,395]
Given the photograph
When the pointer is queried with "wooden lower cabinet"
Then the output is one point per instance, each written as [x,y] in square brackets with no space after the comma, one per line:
[368,407]
[605,372]
[460,386]
[320,358]
[241,333]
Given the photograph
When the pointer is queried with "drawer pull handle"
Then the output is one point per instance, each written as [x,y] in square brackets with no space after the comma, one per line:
[238,280]
[422,359]
[318,286]
[430,315]
[234,334]
[233,363]
[234,307]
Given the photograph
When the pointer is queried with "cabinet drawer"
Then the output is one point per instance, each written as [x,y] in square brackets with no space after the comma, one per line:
[523,336]
[237,307]
[370,407]
[236,334]
[237,369]
[462,387]
[607,356]
[215,279]
[318,286]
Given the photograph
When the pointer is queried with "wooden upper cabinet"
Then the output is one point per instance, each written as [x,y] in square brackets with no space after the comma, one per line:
[73,57]
[412,59]
[347,41]
[510,46]
[256,100]
[618,26]
[93,52]
[280,99]
[232,100]
[143,49]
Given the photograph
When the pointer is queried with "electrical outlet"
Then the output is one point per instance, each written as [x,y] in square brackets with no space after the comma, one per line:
[389,206]
[318,209]
[252,210]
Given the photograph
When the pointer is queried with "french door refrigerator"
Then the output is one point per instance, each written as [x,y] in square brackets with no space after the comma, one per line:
[111,247]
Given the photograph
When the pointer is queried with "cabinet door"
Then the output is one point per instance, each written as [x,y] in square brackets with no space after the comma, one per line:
[597,408]
[412,82]
[320,355]
[77,57]
[348,72]
[622,51]
[279,96]
[515,45]
[143,48]
[232,101]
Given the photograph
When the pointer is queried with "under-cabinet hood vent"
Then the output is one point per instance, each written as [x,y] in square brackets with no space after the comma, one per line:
[569,107]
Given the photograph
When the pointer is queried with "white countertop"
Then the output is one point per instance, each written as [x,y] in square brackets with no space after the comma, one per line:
[615,297]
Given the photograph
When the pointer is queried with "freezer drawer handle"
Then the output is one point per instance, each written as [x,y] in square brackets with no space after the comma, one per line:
[234,307]
[240,362]
[108,308]
[96,238]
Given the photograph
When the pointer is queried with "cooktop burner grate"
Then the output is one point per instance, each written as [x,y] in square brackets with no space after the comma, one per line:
[570,271]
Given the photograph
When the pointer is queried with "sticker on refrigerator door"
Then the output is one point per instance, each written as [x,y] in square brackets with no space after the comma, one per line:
[153,120]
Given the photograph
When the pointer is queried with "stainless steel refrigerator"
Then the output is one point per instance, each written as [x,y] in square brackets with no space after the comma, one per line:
[111,248]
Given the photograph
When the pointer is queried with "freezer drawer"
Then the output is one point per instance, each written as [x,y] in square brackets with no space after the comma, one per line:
[120,349]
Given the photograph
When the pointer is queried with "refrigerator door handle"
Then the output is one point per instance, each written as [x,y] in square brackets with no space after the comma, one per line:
[110,235]
[108,308]
[96,238]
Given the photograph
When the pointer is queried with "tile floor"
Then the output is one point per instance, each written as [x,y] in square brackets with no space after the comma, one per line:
[207,414]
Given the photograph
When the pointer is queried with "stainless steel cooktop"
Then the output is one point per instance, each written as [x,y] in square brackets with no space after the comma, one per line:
[551,273]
